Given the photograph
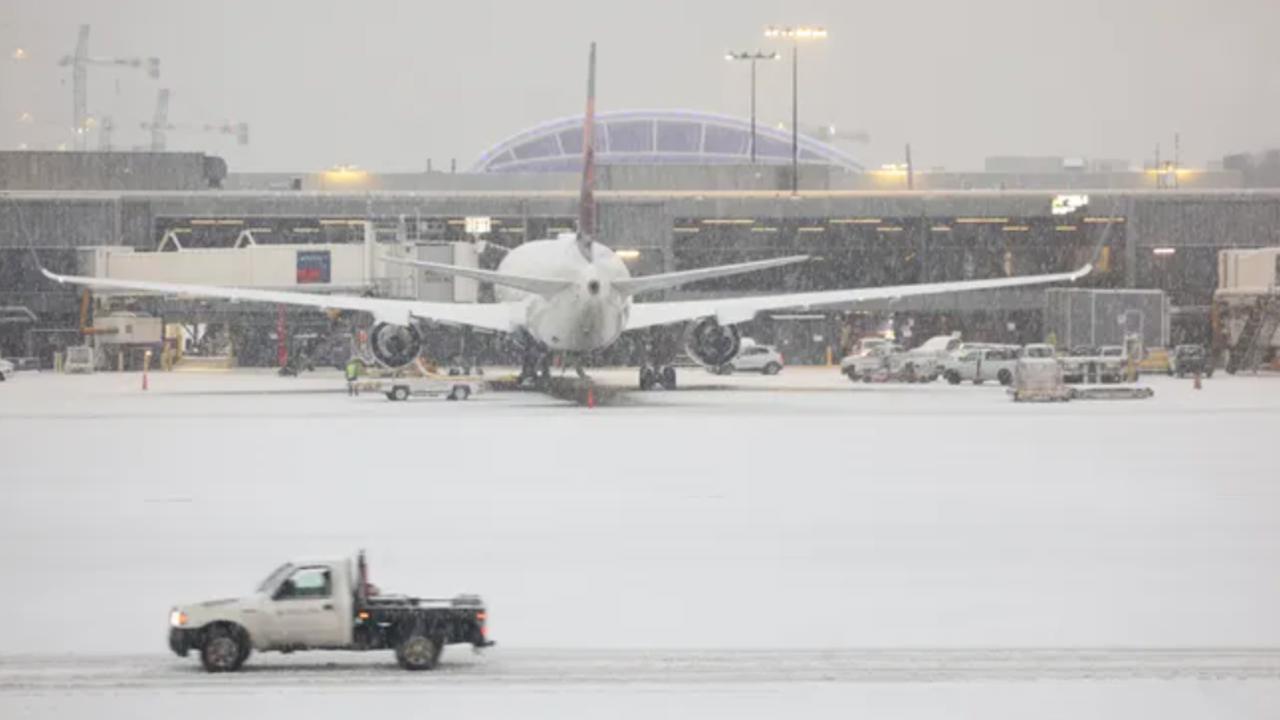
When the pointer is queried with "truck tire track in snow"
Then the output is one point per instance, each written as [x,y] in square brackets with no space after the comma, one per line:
[26,674]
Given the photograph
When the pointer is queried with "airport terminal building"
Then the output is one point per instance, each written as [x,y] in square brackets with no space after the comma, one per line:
[678,191]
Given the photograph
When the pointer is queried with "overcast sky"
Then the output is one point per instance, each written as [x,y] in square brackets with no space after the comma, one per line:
[386,85]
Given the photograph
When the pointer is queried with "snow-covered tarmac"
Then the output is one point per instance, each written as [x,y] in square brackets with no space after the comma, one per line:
[687,553]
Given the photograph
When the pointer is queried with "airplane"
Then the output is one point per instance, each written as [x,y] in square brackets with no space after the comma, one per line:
[573,294]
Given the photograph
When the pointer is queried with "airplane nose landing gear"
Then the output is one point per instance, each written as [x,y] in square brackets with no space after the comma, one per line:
[656,371]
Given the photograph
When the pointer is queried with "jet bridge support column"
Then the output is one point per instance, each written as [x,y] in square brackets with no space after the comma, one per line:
[282,342]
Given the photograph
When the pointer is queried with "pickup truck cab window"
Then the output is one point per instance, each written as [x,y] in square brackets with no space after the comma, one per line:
[306,582]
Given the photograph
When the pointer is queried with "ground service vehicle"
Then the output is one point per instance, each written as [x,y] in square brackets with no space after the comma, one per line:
[888,361]
[1038,351]
[875,362]
[1087,364]
[978,365]
[79,359]
[1039,379]
[754,358]
[1156,360]
[1189,360]
[404,387]
[325,605]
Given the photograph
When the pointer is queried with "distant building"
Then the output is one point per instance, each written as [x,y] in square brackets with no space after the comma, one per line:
[654,137]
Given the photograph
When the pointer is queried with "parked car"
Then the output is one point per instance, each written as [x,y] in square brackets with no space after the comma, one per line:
[980,364]
[763,359]
[1190,359]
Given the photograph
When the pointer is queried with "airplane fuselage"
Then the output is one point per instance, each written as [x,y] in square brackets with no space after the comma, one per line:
[587,315]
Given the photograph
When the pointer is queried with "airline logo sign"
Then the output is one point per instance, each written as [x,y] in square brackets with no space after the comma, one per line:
[1067,204]
[313,267]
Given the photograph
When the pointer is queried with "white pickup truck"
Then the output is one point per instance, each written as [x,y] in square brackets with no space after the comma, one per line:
[890,362]
[325,605]
[979,364]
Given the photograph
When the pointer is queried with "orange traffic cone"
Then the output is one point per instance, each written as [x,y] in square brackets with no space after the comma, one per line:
[591,397]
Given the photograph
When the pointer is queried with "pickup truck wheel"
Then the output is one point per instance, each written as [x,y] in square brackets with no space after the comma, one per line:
[224,650]
[400,392]
[459,392]
[953,377]
[1005,377]
[417,652]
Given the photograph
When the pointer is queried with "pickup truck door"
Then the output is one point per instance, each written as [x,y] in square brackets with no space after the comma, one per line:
[306,612]
[968,364]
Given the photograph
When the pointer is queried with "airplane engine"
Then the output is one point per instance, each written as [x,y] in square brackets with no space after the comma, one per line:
[711,343]
[395,346]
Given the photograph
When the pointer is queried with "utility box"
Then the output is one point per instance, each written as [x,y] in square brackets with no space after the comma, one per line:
[1074,317]
[1256,271]
[128,329]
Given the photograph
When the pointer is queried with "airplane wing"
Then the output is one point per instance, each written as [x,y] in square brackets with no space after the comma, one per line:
[492,316]
[645,283]
[729,311]
[540,286]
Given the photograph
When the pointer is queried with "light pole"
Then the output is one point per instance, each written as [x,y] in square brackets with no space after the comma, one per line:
[753,57]
[796,34]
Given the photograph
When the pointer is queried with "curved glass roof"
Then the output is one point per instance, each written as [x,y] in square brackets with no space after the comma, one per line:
[653,137]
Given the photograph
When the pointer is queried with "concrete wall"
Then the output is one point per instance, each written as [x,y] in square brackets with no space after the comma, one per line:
[109,171]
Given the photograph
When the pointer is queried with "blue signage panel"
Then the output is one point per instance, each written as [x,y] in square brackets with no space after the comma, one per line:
[313,266]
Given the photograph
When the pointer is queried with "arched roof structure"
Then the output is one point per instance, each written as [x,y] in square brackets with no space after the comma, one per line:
[654,137]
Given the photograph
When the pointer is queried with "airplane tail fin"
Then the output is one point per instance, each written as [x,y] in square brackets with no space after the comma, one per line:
[587,196]
[647,283]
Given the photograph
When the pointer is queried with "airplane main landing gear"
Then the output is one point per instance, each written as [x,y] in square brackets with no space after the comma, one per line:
[535,364]
[651,377]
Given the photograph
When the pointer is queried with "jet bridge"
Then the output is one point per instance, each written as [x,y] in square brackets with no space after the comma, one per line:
[354,267]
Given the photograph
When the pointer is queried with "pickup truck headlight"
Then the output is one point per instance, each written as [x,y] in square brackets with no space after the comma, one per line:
[177,618]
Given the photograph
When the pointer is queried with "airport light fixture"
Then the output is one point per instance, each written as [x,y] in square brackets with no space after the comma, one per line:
[752,57]
[795,34]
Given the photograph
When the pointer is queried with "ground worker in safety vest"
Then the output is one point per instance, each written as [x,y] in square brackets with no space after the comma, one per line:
[353,374]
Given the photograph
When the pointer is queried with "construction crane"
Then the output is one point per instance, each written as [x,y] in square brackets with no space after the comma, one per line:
[80,63]
[160,125]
